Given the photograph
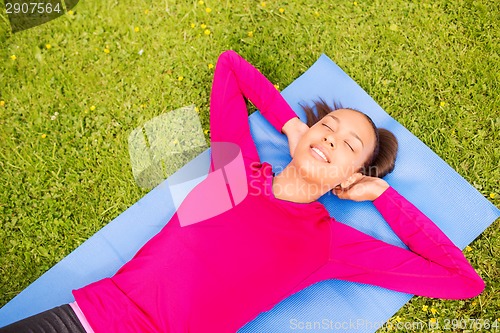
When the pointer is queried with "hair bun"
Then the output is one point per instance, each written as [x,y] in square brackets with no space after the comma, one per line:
[385,160]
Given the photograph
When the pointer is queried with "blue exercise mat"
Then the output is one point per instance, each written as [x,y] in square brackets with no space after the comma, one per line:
[420,175]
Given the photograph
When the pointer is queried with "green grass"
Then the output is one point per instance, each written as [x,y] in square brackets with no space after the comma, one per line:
[432,65]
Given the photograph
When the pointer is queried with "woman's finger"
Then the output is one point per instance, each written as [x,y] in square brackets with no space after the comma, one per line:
[353,179]
[340,192]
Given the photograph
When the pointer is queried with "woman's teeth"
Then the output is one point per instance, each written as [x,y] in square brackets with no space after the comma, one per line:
[320,153]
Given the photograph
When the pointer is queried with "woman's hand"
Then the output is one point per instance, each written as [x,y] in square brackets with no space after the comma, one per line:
[294,129]
[359,187]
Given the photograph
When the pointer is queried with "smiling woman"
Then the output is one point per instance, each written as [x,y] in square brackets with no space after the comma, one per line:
[341,148]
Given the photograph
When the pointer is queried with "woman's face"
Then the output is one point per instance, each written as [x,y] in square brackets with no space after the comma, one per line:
[334,148]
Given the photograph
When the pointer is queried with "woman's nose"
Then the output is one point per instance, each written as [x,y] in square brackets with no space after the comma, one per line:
[330,142]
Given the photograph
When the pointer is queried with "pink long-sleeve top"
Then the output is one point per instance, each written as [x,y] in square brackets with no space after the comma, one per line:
[223,271]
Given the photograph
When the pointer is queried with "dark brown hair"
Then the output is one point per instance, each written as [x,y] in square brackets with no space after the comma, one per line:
[381,162]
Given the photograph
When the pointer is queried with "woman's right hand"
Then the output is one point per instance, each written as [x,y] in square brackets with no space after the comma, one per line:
[294,129]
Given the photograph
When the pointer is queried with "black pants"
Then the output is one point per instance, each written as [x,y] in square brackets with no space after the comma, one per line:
[61,319]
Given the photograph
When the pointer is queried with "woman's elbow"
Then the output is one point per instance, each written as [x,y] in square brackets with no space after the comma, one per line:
[476,287]
[459,286]
[470,287]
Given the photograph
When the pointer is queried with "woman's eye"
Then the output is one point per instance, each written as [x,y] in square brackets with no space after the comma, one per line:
[327,126]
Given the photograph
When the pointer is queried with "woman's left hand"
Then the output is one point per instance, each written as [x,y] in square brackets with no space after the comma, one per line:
[359,187]
[294,129]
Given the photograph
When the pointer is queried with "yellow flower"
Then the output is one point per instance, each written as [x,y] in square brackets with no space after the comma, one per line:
[2,103]
[277,86]
[250,34]
[196,109]
[143,106]
[136,29]
[193,25]
[433,320]
[44,136]
[175,142]
[281,10]
[424,308]
[468,248]
[433,311]
[316,14]
[206,32]
[210,66]
[180,78]
[48,46]
[263,4]
[203,25]
[70,12]
[200,2]
[208,10]
[146,12]
[474,303]
[13,57]
[106,50]
[397,318]
[442,104]
[205,131]
[493,195]
[355,3]
[92,108]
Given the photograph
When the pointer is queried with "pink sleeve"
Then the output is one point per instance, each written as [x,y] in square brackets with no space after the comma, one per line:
[432,267]
[234,80]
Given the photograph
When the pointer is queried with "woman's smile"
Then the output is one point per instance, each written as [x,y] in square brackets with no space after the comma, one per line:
[318,153]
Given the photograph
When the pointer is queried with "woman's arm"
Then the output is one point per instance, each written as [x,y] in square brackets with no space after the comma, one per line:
[234,80]
[432,267]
